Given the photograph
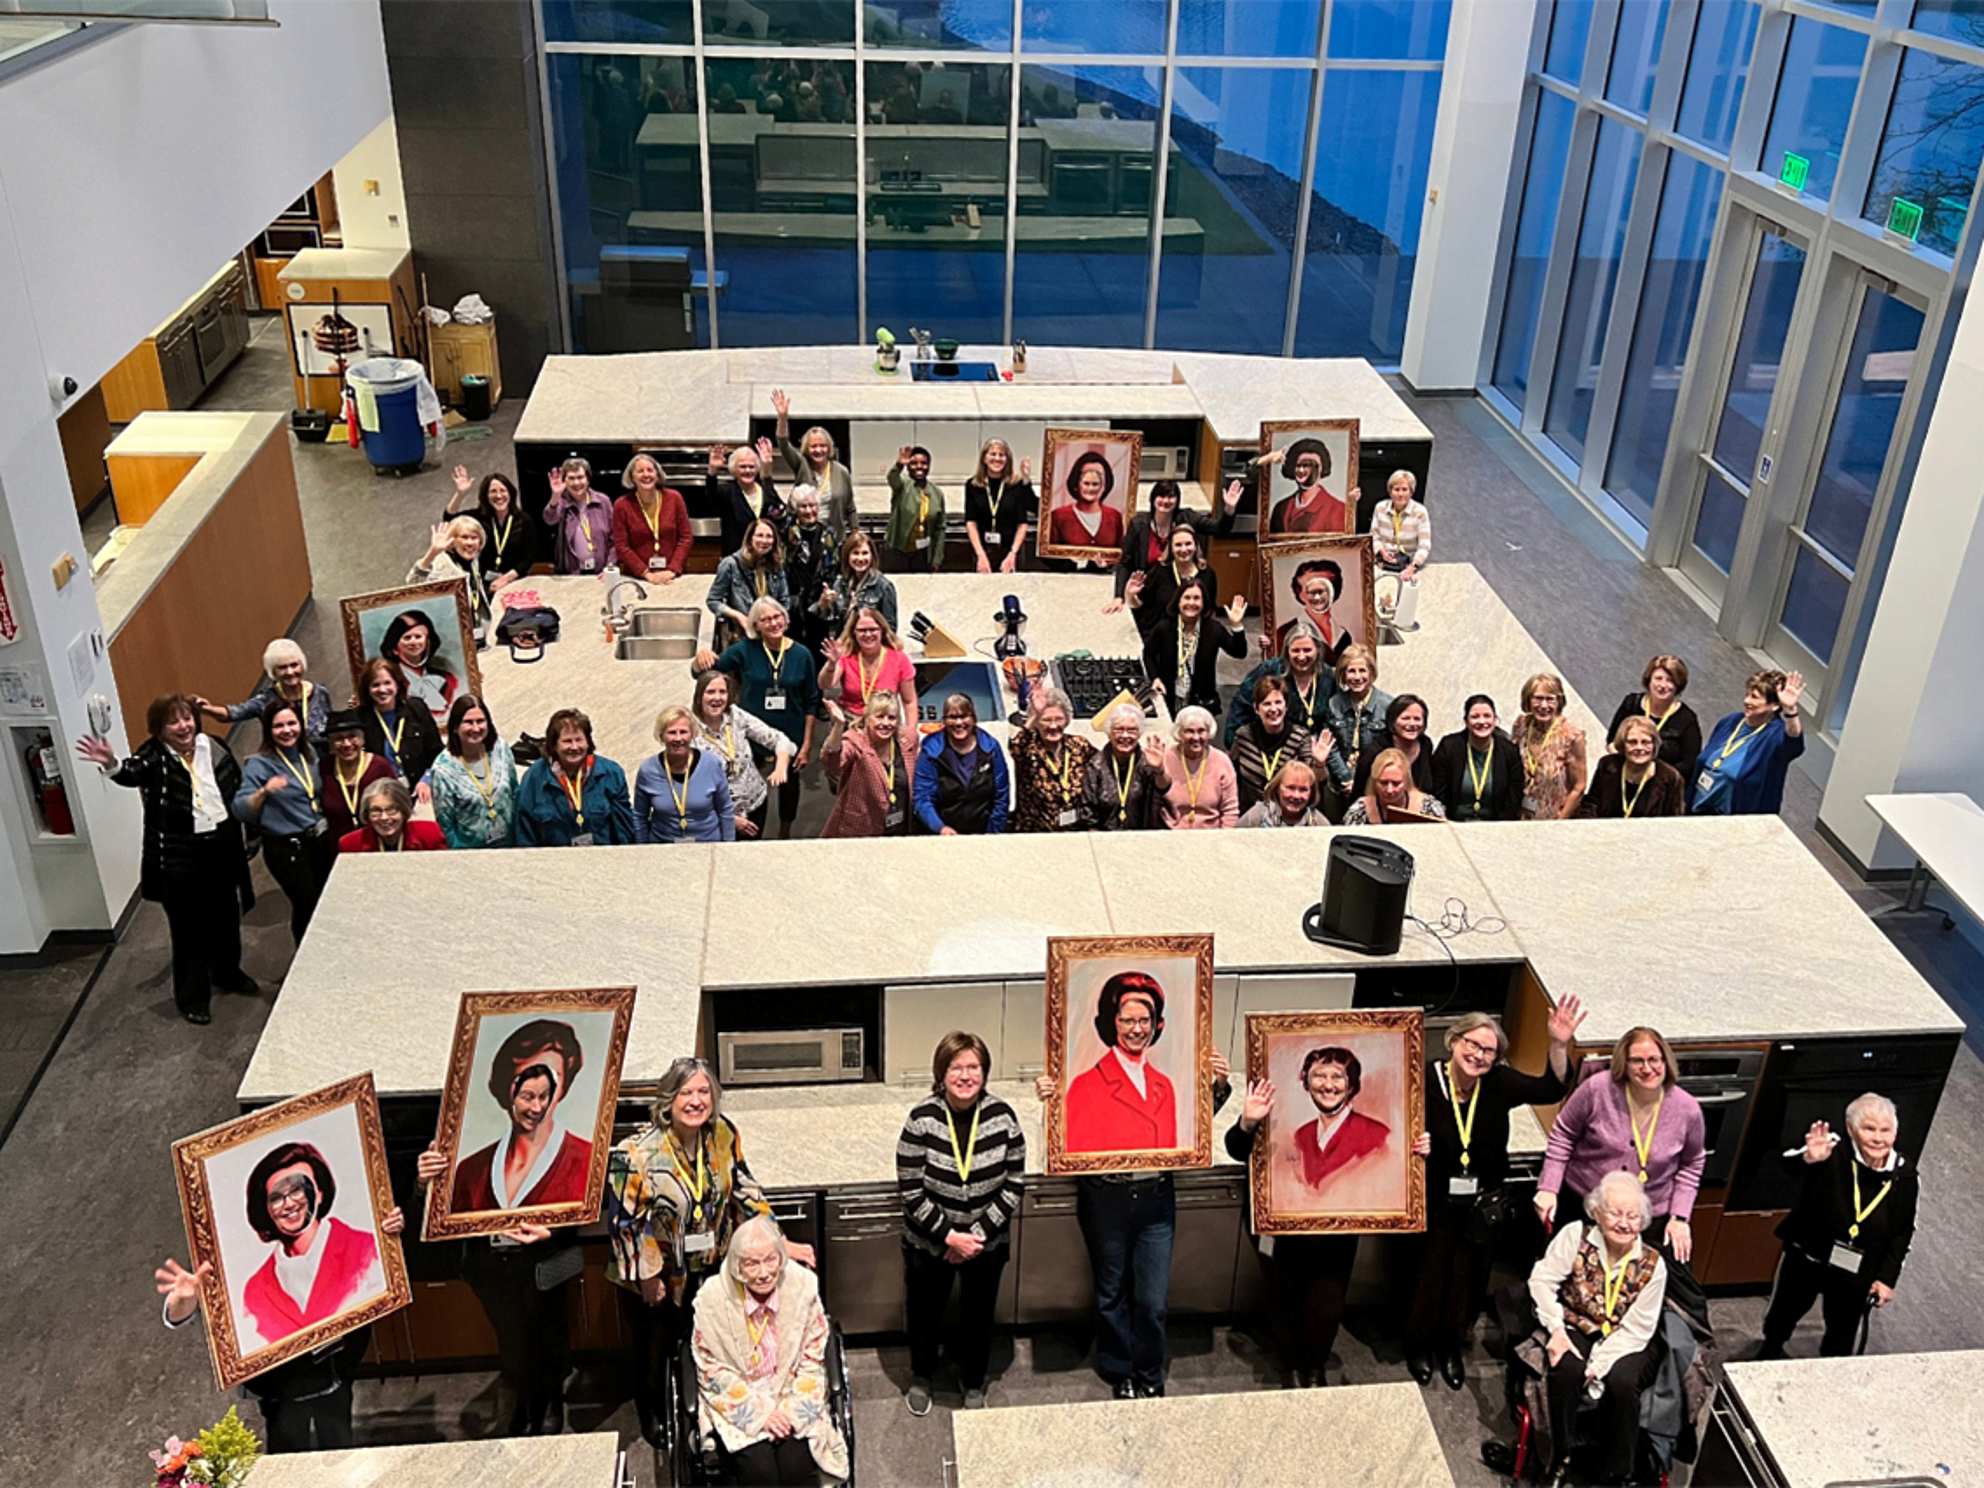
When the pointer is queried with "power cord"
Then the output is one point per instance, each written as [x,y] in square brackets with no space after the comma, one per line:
[1453,923]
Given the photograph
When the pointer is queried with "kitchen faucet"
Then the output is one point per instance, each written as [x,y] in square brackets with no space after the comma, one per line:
[616,615]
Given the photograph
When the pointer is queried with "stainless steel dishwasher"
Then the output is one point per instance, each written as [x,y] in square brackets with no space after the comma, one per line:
[861,1268]
[1056,1284]
[1209,1210]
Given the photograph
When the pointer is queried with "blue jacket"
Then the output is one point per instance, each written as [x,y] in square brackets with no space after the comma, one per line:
[544,811]
[706,806]
[929,761]
[1751,781]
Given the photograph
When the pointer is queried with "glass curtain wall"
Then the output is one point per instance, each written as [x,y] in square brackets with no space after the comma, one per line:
[1220,175]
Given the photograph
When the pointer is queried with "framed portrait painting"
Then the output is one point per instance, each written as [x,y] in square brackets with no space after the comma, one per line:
[1329,579]
[1309,486]
[427,630]
[1129,1048]
[286,1203]
[1088,492]
[527,1113]
[1335,1152]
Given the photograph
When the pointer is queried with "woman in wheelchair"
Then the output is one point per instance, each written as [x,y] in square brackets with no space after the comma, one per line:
[760,1346]
[1597,1292]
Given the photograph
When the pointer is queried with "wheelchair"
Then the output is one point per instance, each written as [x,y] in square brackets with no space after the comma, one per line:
[691,1454]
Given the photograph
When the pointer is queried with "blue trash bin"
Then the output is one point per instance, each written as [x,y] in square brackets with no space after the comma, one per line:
[399,440]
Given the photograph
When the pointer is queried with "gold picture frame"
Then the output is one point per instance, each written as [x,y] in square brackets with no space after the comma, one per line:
[1388,1196]
[1062,453]
[1353,614]
[367,617]
[1339,440]
[213,1232]
[1086,966]
[582,1014]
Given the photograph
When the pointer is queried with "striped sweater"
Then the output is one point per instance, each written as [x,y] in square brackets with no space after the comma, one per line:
[935,1199]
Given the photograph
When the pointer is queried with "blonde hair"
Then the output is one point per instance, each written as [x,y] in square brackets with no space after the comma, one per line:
[1356,651]
[890,640]
[462,527]
[673,713]
[1385,759]
[1544,682]
[627,475]
[1632,723]
[1012,466]
[884,702]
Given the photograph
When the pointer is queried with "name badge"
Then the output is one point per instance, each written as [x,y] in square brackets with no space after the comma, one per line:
[923,542]
[504,1242]
[585,565]
[1705,781]
[774,702]
[1529,805]
[994,538]
[1068,818]
[584,839]
[893,819]
[1463,1186]
[1845,1257]
[700,1244]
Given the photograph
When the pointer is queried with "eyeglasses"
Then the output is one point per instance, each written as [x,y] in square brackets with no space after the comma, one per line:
[1125,1020]
[1652,1061]
[1486,1051]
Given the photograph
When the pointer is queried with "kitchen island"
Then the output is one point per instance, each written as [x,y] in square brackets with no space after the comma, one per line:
[591,1460]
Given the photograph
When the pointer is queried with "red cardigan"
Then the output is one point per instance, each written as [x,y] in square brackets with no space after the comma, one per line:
[421,836]
[1105,1113]
[348,1255]
[861,809]
[634,541]
[1360,1137]
[564,1182]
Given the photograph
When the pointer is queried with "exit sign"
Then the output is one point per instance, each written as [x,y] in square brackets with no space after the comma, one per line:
[1904,219]
[1794,170]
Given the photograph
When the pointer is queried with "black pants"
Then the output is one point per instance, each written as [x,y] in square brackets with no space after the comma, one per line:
[301,866]
[1617,1427]
[909,561]
[788,794]
[657,1333]
[1800,1282]
[287,1423]
[785,1462]
[533,1333]
[1449,1276]
[203,912]
[1308,1277]
[930,1280]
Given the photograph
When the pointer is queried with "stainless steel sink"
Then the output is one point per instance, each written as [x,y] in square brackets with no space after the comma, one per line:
[654,648]
[659,634]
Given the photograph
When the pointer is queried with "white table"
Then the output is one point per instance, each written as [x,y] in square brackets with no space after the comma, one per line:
[1945,832]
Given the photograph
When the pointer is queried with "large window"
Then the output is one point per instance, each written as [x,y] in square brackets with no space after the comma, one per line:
[1594,273]
[1814,102]
[1522,296]
[1104,172]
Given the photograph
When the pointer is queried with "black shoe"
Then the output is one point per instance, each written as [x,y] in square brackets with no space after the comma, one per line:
[1290,1380]
[196,1015]
[1771,1350]
[1125,1390]
[551,1418]
[1500,1456]
[1419,1364]
[1150,1392]
[246,985]
[1452,1369]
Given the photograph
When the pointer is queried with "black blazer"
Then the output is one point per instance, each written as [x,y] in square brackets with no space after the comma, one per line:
[1680,734]
[1452,783]
[1824,1209]
[735,511]
[520,554]
[172,858]
[1202,687]
[1136,539]
[420,742]
[1423,774]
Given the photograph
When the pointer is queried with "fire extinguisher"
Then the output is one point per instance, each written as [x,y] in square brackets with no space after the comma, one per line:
[44,770]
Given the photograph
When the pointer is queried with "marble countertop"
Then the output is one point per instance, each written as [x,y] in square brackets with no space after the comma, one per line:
[226,443]
[704,396]
[1722,927]
[343,263]
[1379,1435]
[1914,1416]
[588,1461]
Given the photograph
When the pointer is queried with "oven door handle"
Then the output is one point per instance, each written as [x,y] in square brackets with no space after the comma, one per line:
[1723,1098]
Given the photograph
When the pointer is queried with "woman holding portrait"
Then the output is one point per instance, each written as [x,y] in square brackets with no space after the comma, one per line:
[1748,754]
[960,1163]
[1659,702]
[755,571]
[474,782]
[1124,787]
[682,794]
[1631,780]
[1390,795]
[282,791]
[1049,764]
[570,797]
[1181,654]
[738,740]
[1204,793]
[414,647]
[1552,752]
[869,769]
[1475,771]
[405,737]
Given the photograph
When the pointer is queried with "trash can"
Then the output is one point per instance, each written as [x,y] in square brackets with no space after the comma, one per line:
[396,438]
[475,397]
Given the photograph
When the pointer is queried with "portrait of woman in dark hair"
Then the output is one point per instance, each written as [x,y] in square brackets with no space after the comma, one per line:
[1090,490]
[539,1160]
[1121,1103]
[414,643]
[318,1266]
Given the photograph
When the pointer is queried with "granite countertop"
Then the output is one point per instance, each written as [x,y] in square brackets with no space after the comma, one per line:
[1867,1420]
[704,396]
[1379,1435]
[343,263]
[1703,928]
[226,443]
[588,1461]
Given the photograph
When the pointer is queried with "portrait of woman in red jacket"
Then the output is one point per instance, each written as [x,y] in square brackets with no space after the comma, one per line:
[539,1160]
[1122,1103]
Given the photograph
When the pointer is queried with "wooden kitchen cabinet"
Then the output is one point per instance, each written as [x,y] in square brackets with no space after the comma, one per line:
[465,351]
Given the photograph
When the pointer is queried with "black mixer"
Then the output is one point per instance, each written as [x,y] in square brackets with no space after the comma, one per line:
[1092,682]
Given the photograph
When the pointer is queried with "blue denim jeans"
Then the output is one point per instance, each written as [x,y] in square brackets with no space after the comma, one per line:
[1129,1228]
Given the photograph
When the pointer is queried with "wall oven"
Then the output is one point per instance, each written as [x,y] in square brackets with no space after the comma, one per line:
[792,1056]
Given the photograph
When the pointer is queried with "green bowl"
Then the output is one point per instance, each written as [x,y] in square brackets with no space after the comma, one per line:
[947,351]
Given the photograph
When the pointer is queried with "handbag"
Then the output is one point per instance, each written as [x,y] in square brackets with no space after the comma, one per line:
[540,619]
[560,1267]
[1492,1213]
[528,749]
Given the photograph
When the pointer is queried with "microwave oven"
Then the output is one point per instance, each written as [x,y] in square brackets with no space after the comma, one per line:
[1164,462]
[794,1056]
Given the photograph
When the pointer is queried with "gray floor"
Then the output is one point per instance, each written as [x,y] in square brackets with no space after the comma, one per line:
[100,1383]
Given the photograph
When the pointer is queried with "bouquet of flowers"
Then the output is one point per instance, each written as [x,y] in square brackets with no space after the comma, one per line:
[218,1458]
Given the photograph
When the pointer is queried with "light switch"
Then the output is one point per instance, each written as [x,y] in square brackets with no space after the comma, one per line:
[64,570]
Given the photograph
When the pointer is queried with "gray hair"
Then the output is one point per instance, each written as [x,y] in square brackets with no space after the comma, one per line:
[1468,1023]
[1192,714]
[758,1227]
[394,793]
[796,494]
[1871,1104]
[1125,710]
[280,650]
[1613,1190]
[674,1078]
[1042,698]
[738,453]
[1303,628]
[760,606]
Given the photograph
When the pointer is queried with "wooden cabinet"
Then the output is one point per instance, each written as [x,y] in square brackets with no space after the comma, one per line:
[465,351]
[85,433]
[1233,559]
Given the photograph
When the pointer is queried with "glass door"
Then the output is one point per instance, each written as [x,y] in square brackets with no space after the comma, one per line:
[1734,454]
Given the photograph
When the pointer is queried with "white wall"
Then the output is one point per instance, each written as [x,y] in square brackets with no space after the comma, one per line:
[131,170]
[1474,139]
[366,220]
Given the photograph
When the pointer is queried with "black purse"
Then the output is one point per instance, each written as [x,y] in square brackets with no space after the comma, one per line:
[1492,1213]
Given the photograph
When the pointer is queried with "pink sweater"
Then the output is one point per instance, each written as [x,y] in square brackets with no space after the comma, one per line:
[1594,1136]
[1217,797]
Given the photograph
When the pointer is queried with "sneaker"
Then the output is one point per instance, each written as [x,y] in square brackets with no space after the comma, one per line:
[918,1398]
[1150,1391]
[974,1400]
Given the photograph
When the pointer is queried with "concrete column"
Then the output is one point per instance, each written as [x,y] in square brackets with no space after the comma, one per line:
[1474,139]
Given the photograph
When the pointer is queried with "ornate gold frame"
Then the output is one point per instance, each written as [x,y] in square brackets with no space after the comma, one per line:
[1050,447]
[1263,475]
[354,605]
[190,1156]
[441,1222]
[1062,952]
[1410,1025]
[1317,547]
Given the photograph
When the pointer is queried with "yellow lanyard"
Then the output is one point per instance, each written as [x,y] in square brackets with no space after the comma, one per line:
[193,779]
[585,526]
[758,578]
[1643,1141]
[777,659]
[1860,1214]
[681,797]
[487,791]
[868,682]
[301,771]
[700,1182]
[727,742]
[1633,800]
[970,1149]
[1123,788]
[1532,764]
[1272,762]
[995,492]
[575,792]
[922,513]
[1463,1124]
[758,1324]
[398,843]
[1646,707]
[653,519]
[1188,649]
[1308,702]
[889,772]
[1480,782]
[1737,739]
[503,536]
[1192,783]
[1356,727]
[1398,526]
[351,790]
[1059,770]
[1615,1288]
[395,736]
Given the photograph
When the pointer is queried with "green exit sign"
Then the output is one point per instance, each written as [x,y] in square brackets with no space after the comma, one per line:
[1794,170]
[1904,218]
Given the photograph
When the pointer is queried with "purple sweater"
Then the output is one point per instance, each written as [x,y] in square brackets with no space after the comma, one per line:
[1594,1135]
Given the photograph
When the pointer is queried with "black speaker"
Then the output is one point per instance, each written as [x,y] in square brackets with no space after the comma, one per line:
[1364,893]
